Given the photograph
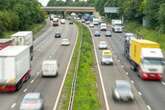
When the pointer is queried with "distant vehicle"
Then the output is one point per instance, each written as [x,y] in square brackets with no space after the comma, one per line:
[24,38]
[5,42]
[117,25]
[87,22]
[57,35]
[62,21]
[65,42]
[82,21]
[15,67]
[122,91]
[106,57]
[91,25]
[55,23]
[129,35]
[51,16]
[108,34]
[97,34]
[70,22]
[49,68]
[146,57]
[96,21]
[103,26]
[55,19]
[32,101]
[103,45]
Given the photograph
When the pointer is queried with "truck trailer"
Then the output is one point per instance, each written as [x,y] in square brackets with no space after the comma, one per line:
[24,38]
[146,57]
[15,67]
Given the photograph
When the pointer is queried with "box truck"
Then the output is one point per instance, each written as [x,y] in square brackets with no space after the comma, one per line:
[5,42]
[49,68]
[117,25]
[24,38]
[146,57]
[15,67]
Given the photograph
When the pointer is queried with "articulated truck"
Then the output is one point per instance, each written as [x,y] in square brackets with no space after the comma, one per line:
[24,38]
[146,57]
[15,67]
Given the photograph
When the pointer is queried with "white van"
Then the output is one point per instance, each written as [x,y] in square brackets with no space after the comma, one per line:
[49,68]
[103,27]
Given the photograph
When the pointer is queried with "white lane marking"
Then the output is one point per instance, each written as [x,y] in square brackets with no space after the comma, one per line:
[122,66]
[25,90]
[148,107]
[132,81]
[126,73]
[31,81]
[140,93]
[13,105]
[118,60]
[63,81]
[163,83]
[101,78]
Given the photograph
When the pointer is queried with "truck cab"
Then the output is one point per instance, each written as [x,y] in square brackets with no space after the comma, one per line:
[151,65]
[117,26]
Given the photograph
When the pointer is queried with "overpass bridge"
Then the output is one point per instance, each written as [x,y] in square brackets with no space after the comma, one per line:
[70,9]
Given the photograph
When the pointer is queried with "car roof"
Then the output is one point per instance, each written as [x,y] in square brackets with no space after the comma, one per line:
[107,52]
[102,41]
[123,82]
[32,95]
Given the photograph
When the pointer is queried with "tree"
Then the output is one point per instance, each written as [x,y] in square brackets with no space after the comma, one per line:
[162,17]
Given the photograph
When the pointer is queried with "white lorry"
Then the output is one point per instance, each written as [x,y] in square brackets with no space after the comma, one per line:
[96,21]
[117,25]
[24,38]
[49,68]
[15,67]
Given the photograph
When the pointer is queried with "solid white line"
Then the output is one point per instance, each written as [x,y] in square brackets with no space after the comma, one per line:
[62,85]
[100,74]
[140,93]
[148,107]
[13,105]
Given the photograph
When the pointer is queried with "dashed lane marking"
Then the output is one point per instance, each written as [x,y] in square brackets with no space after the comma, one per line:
[25,90]
[140,93]
[13,105]
[148,107]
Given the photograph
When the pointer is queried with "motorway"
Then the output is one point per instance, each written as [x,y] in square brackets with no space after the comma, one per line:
[45,47]
[110,73]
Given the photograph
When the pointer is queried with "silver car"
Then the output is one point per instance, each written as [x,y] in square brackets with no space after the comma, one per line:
[122,91]
[65,42]
[32,101]
[103,45]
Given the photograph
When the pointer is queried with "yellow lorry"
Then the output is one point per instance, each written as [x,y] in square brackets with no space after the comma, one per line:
[146,57]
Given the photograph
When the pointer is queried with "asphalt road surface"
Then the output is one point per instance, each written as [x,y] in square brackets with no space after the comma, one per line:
[111,73]
[45,47]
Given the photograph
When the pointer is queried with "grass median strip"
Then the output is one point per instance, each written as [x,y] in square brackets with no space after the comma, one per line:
[86,95]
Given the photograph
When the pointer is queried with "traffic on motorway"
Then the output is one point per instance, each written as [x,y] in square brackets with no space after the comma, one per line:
[131,68]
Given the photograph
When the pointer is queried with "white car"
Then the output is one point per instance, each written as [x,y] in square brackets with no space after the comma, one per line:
[103,45]
[65,42]
[32,101]
[62,21]
[103,26]
[106,57]
[91,25]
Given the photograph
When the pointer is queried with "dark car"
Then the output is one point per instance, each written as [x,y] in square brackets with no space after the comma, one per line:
[122,91]
[57,35]
[97,34]
[108,34]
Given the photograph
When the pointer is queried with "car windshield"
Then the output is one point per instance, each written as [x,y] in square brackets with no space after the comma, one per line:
[123,87]
[107,56]
[151,61]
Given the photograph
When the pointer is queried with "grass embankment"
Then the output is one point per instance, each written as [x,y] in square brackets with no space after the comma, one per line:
[147,33]
[86,97]
[35,28]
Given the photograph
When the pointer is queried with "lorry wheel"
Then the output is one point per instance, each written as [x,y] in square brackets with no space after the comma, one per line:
[19,85]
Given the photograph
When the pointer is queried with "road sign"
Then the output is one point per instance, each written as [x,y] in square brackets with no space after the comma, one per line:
[111,9]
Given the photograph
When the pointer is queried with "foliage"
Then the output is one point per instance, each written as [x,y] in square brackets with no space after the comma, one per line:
[19,14]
